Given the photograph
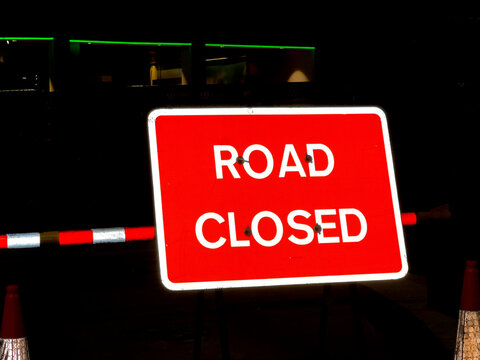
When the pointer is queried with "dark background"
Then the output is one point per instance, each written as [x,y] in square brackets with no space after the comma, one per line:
[82,151]
[78,158]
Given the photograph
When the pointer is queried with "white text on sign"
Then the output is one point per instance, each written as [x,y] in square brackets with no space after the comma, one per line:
[347,237]
[288,153]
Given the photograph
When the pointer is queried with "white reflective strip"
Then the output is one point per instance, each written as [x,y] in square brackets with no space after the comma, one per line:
[468,333]
[26,240]
[108,235]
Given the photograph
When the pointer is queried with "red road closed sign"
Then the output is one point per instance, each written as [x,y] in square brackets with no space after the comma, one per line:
[274,196]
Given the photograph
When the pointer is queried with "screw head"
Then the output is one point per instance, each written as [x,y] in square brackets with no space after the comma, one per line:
[247,231]
[240,160]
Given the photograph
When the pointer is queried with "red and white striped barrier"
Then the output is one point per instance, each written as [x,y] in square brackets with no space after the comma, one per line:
[409,218]
[78,237]
[100,236]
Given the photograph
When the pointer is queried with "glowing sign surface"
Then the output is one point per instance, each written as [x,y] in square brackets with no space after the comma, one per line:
[274,196]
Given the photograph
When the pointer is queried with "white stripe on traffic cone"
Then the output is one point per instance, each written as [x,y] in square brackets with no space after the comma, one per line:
[13,341]
[468,331]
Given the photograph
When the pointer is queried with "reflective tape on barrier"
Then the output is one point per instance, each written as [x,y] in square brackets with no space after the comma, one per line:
[26,240]
[77,237]
[108,235]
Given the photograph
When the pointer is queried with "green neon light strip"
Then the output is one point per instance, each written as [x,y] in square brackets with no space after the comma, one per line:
[129,42]
[262,46]
[28,38]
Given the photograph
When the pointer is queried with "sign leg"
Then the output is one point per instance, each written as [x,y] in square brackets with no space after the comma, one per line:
[326,299]
[222,324]
[197,349]
[357,319]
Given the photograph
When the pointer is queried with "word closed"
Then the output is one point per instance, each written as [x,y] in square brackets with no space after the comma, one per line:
[347,237]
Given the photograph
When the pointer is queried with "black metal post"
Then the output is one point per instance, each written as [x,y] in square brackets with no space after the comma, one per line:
[197,347]
[222,324]
[357,319]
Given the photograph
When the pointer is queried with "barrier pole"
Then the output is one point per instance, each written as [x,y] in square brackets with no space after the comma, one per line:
[102,235]
[76,237]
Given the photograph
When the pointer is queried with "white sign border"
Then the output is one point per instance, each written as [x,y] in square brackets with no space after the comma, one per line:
[345,110]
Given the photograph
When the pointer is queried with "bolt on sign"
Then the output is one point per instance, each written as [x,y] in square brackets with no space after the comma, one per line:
[274,196]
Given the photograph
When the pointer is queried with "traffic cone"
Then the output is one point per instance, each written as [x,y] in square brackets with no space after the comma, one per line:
[13,341]
[468,331]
